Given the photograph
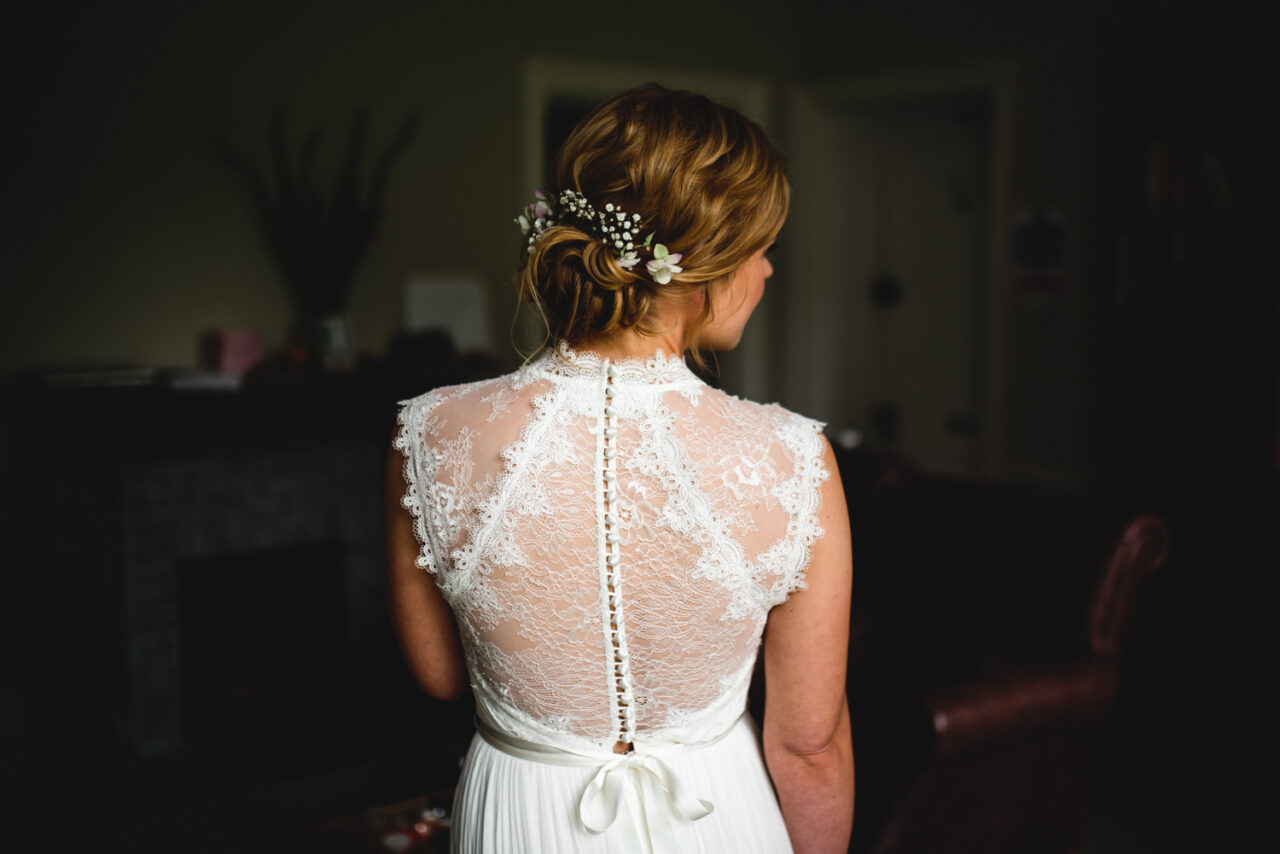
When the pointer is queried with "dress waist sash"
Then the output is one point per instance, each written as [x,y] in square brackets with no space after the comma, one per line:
[639,773]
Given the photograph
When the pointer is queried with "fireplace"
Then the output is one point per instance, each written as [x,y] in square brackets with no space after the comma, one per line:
[262,635]
[202,596]
[205,593]
[253,584]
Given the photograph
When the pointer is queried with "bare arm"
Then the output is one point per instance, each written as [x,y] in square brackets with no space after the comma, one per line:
[423,620]
[808,744]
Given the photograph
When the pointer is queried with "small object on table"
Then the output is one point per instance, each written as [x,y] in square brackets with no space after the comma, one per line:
[418,825]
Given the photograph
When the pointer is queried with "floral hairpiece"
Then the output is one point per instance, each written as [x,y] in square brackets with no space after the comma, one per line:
[617,229]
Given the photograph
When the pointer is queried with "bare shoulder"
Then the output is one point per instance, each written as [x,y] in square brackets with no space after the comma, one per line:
[441,414]
[774,418]
[806,637]
[457,399]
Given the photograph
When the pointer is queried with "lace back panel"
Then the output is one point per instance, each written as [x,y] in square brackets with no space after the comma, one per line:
[611,538]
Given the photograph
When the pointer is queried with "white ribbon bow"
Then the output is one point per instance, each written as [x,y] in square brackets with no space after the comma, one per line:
[661,796]
[660,792]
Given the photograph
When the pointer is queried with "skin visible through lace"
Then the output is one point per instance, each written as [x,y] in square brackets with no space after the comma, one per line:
[715,503]
[621,673]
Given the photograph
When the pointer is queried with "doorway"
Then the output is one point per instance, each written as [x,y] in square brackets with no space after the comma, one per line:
[901,206]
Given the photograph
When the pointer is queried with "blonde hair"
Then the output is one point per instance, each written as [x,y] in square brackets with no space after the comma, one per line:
[708,184]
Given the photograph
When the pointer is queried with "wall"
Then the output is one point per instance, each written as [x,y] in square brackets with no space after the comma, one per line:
[131,238]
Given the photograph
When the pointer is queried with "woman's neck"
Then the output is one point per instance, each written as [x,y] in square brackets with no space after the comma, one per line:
[632,344]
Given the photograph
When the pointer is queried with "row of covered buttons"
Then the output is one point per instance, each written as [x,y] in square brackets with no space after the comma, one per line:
[622,661]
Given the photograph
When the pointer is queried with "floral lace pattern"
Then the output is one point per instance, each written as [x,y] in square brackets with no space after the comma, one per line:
[546,518]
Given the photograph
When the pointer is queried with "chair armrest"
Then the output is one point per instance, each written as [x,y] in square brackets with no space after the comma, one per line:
[1143,547]
[1016,703]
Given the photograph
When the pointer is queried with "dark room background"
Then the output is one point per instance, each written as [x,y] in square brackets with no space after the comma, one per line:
[1130,358]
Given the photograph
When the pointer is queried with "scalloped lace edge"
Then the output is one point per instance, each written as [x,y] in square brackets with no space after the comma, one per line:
[412,498]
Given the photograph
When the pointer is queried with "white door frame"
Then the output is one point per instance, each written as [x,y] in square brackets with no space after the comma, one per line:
[811,340]
[546,78]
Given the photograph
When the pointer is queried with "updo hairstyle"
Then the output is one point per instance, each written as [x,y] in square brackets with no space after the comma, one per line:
[707,183]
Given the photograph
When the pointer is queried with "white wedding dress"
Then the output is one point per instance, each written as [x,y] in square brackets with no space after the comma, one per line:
[611,538]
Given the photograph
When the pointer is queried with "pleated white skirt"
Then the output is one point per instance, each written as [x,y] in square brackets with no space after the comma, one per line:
[506,804]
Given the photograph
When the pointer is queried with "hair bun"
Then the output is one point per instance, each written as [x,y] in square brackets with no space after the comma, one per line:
[580,288]
[601,265]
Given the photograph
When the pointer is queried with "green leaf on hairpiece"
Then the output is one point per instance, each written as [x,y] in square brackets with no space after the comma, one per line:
[648,239]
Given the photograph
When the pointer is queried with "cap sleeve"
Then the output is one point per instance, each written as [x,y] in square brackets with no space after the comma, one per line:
[420,461]
[783,568]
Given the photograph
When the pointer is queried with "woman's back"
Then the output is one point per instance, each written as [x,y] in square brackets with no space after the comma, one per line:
[608,541]
[611,538]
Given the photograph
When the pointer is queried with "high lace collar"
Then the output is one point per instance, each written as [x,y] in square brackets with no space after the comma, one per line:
[659,369]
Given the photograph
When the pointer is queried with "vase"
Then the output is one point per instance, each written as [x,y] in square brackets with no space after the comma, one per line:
[333,343]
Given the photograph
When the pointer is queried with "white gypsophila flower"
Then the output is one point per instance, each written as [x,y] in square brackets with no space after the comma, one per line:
[618,230]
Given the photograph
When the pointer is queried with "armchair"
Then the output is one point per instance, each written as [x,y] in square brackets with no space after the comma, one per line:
[988,626]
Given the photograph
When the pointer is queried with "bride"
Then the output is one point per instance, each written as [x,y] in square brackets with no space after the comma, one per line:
[598,544]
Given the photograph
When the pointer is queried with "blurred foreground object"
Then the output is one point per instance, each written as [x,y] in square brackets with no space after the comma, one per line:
[230,351]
